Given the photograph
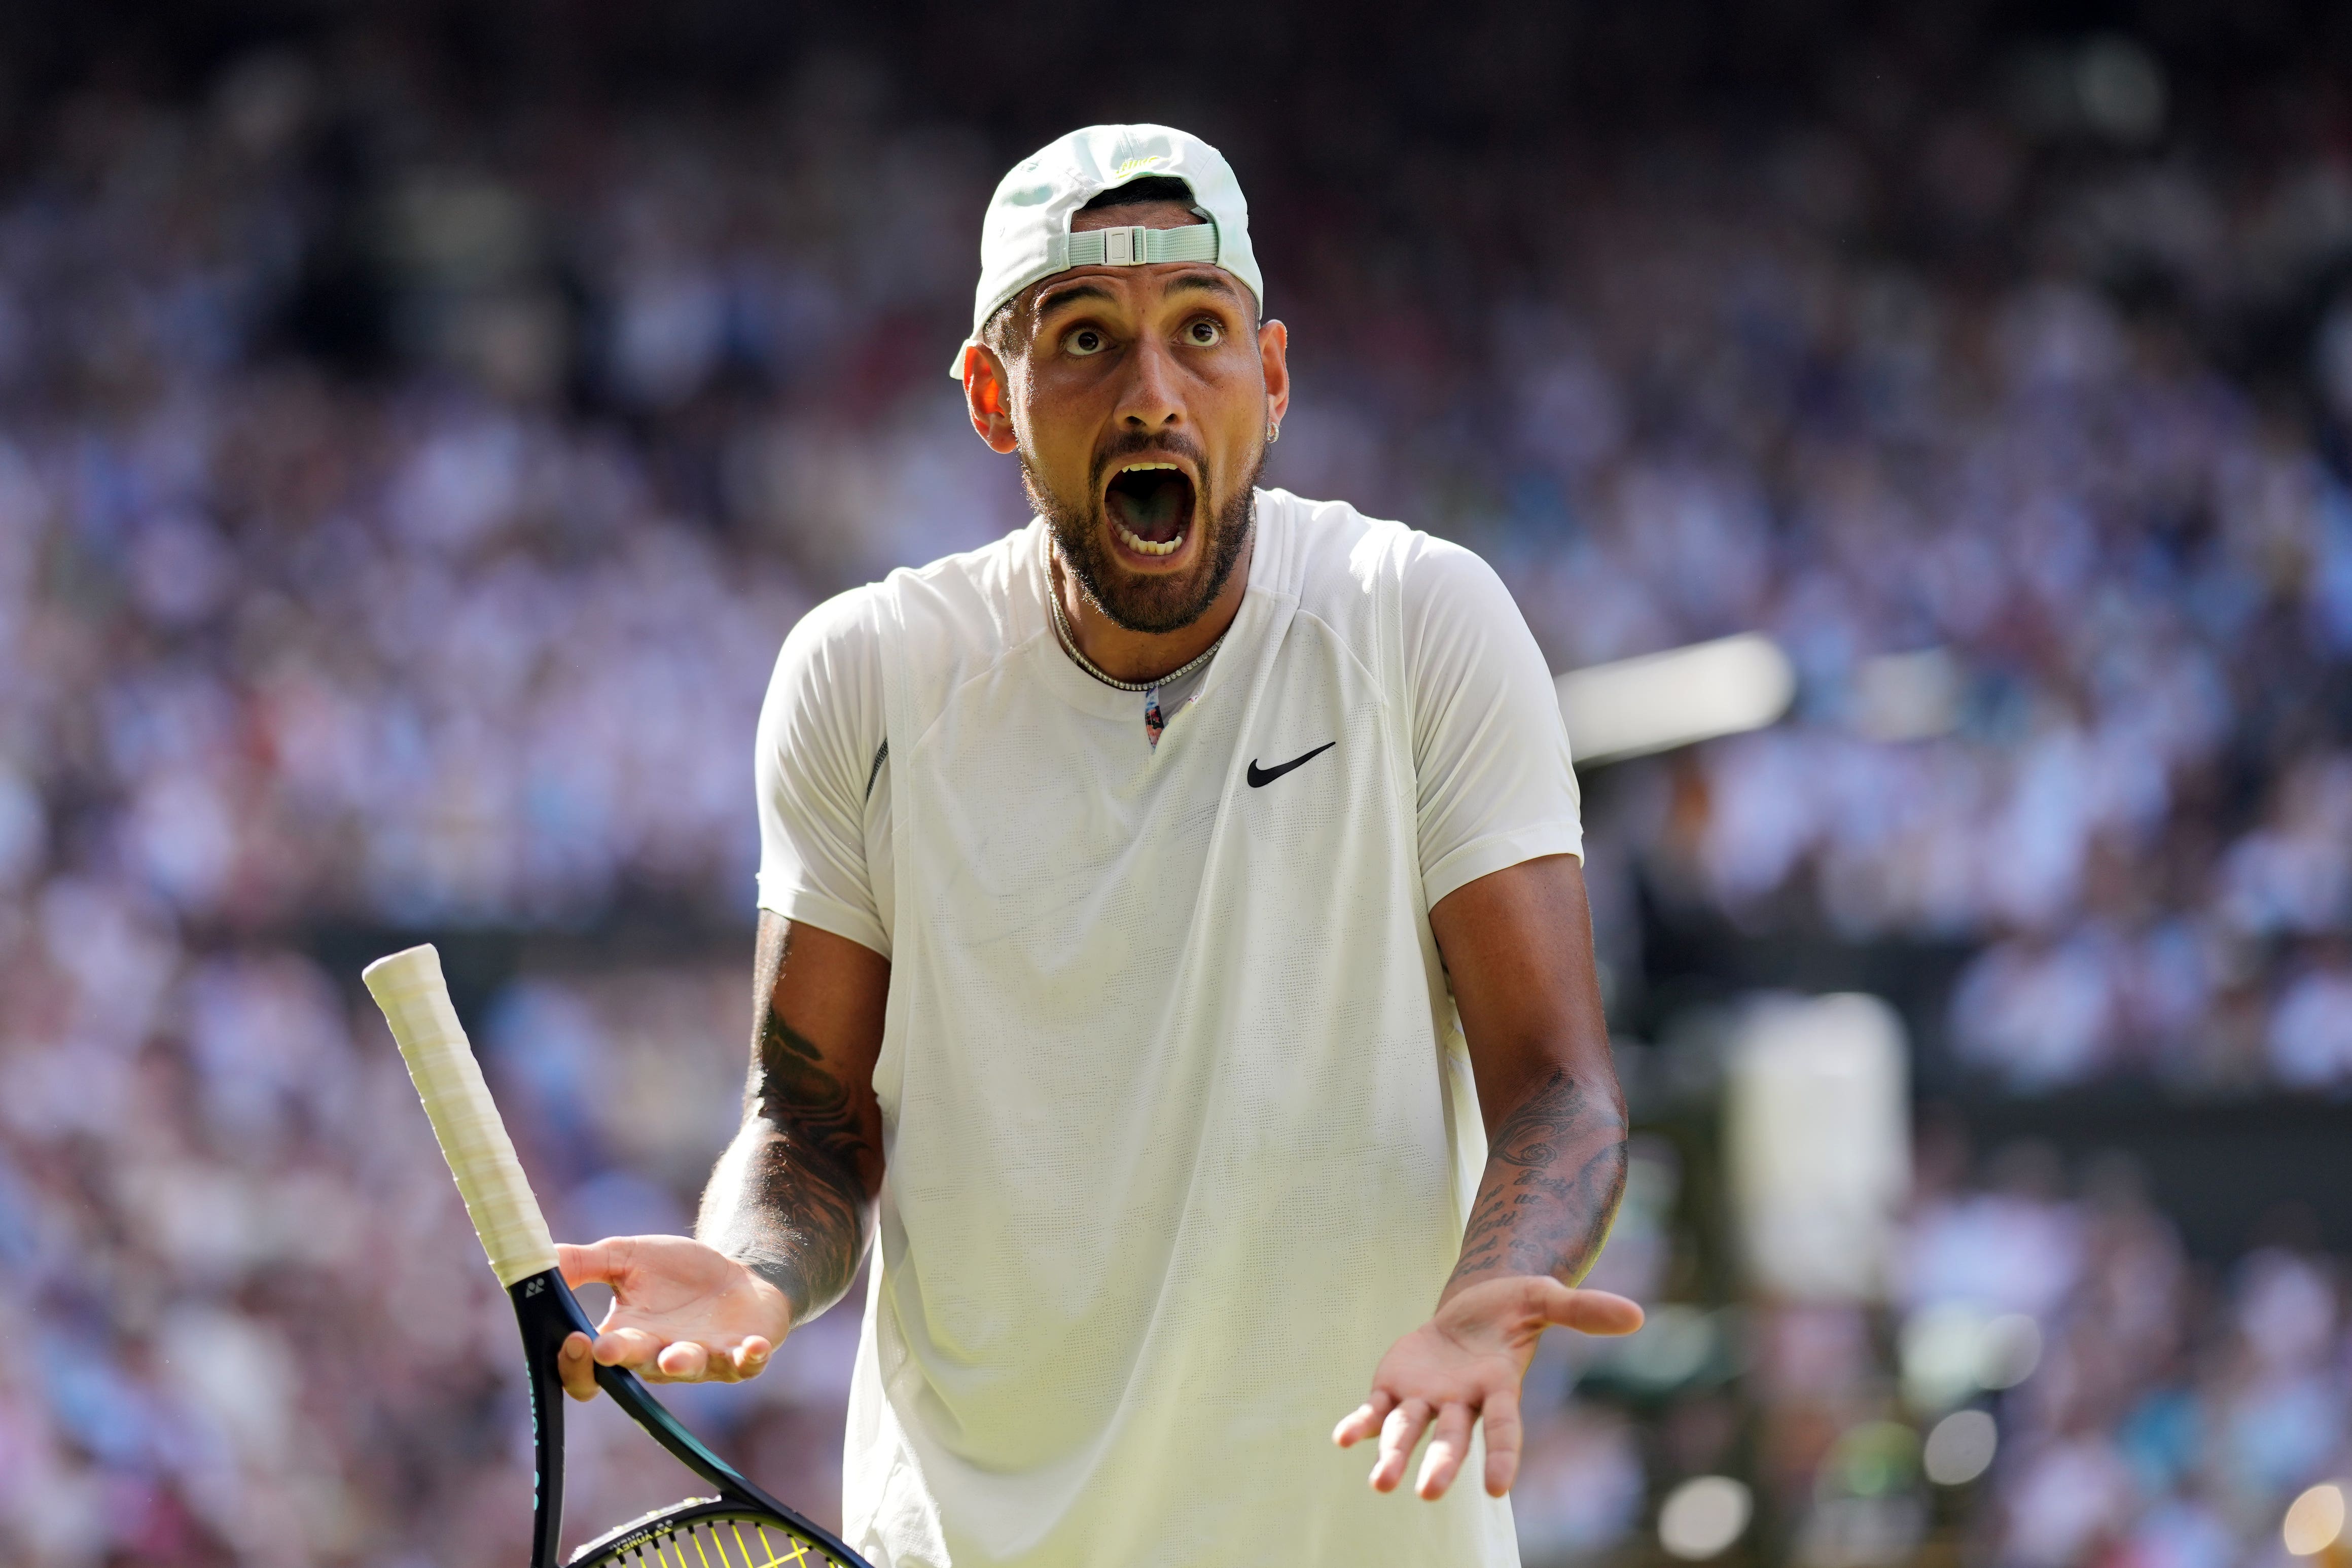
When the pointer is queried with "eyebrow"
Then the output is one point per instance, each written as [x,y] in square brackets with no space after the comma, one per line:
[1205,283]
[1068,294]
[1200,281]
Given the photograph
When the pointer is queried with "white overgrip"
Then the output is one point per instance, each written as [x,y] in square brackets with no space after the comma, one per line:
[415,997]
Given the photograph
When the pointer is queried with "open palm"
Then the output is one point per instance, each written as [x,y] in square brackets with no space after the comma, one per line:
[1464,1364]
[681,1312]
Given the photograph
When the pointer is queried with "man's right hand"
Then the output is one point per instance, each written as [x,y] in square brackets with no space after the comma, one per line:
[681,1312]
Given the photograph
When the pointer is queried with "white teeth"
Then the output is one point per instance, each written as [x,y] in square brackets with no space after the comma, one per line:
[1134,541]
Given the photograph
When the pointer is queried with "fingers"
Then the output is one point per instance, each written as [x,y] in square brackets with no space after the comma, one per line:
[1503,1438]
[1588,1312]
[577,1367]
[1449,1444]
[599,1263]
[659,1361]
[684,1361]
[1365,1419]
[1400,1433]
[632,1348]
[1400,1423]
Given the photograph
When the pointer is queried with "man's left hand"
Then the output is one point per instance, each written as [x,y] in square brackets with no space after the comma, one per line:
[1464,1364]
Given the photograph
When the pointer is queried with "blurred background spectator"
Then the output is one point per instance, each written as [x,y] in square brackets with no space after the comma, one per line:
[419,426]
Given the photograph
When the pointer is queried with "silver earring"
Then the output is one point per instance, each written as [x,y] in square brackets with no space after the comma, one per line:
[1273,432]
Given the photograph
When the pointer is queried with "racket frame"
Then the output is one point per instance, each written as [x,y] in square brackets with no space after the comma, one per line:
[414,995]
[548,1313]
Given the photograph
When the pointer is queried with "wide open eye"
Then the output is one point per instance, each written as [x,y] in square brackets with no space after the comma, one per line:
[1204,333]
[1084,341]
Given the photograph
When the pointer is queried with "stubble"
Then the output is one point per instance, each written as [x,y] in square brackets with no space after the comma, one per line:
[1137,602]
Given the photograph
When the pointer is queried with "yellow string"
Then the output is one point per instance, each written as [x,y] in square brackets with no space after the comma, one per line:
[706,1535]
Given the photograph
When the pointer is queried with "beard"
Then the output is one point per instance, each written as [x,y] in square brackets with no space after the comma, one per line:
[1132,601]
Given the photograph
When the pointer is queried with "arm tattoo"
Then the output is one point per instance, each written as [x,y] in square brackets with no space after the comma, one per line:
[804,1177]
[790,1198]
[1554,1174]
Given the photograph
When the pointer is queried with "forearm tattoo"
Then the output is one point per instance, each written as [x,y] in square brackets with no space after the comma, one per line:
[1555,1173]
[805,1179]
[790,1198]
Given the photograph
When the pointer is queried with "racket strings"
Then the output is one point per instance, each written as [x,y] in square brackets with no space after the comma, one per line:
[722,1543]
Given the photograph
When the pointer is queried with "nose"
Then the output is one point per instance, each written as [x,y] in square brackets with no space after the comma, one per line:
[1150,402]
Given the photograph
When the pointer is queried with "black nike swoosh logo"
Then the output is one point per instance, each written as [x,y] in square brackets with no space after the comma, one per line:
[1260,777]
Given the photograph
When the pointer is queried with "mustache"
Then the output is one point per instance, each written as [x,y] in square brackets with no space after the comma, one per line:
[1136,444]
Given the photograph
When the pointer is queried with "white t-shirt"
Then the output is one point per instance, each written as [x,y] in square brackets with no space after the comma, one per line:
[1490,753]
[1179,1123]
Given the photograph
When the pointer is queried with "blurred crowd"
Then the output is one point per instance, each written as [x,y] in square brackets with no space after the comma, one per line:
[251,1325]
[397,526]
[219,1361]
[2052,1383]
[400,506]
[2146,1411]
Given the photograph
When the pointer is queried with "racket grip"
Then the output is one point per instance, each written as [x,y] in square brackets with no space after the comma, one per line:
[415,997]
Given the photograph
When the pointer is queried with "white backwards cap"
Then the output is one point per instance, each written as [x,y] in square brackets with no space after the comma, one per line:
[1026,234]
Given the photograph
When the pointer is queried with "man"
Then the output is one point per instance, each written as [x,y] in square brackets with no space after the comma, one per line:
[1121,885]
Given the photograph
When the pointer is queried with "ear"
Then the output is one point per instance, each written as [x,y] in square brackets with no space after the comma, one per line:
[988,394]
[1274,360]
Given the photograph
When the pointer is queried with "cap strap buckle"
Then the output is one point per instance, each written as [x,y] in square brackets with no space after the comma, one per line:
[1137,245]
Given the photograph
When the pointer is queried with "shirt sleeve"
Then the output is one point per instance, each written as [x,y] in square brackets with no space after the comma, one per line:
[1495,785]
[821,734]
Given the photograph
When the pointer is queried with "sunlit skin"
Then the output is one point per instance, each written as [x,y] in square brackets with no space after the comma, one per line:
[1159,363]
[1166,364]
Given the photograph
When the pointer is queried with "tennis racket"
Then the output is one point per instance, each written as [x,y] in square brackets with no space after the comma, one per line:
[742,1527]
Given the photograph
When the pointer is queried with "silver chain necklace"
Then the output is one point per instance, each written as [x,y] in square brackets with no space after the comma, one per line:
[1070,644]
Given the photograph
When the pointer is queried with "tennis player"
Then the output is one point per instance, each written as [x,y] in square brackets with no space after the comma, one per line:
[1179,901]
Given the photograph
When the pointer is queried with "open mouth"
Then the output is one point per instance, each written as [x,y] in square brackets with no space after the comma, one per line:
[1151,507]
